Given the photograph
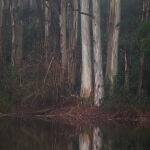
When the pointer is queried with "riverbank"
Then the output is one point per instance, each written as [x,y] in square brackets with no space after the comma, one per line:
[79,115]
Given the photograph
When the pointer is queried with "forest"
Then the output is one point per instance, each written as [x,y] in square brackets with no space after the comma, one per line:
[66,52]
[74,74]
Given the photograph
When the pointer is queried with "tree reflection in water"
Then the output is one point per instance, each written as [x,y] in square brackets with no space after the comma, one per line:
[40,135]
[84,141]
[97,139]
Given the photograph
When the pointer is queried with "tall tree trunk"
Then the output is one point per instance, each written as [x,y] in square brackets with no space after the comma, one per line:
[1,37]
[63,40]
[86,75]
[72,44]
[145,17]
[112,45]
[84,141]
[98,67]
[17,35]
[47,28]
[41,16]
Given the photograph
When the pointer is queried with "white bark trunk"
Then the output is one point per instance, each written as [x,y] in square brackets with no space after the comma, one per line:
[84,141]
[86,76]
[98,67]
[113,35]
[97,139]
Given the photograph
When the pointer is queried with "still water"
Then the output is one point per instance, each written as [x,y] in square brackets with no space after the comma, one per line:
[40,135]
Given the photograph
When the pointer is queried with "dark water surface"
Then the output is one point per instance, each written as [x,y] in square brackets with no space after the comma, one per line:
[40,135]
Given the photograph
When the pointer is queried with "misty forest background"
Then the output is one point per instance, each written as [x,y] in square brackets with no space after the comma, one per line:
[94,51]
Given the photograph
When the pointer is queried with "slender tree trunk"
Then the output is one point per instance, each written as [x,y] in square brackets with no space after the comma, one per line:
[63,40]
[84,141]
[40,5]
[1,37]
[145,17]
[74,24]
[98,67]
[126,70]
[73,45]
[142,57]
[86,75]
[47,28]
[17,35]
[112,46]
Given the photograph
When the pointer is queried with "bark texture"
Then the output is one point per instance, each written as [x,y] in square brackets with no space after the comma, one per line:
[86,75]
[98,67]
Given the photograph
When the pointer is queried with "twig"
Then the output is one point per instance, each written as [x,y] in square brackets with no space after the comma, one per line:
[48,69]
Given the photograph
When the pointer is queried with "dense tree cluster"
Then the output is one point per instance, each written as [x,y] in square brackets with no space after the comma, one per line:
[51,49]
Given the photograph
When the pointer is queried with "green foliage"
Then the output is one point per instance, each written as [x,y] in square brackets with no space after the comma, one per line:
[144,37]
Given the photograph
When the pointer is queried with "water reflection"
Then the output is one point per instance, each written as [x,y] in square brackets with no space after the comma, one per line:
[84,141]
[97,139]
[39,135]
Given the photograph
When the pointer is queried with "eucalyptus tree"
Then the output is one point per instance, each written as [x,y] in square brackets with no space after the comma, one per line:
[86,74]
[112,45]
[97,52]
